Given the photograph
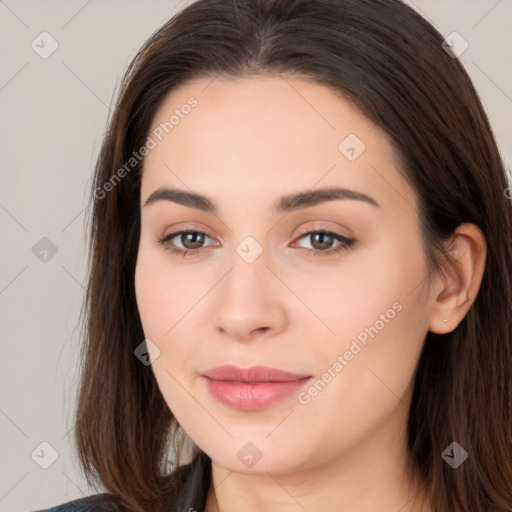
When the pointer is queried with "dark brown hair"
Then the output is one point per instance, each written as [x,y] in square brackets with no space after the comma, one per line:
[389,62]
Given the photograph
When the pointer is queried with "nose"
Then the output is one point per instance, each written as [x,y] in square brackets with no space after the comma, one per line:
[249,303]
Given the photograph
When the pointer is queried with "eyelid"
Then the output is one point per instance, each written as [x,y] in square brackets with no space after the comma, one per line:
[321,226]
[185,227]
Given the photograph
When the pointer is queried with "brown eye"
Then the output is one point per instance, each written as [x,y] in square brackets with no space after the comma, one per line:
[190,240]
[321,241]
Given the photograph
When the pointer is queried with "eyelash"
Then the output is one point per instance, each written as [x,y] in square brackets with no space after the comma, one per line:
[345,243]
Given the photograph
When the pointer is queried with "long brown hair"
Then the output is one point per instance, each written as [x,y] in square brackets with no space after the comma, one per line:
[390,63]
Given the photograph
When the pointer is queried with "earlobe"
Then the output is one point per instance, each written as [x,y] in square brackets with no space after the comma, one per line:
[458,288]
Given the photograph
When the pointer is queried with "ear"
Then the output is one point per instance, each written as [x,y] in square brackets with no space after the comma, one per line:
[454,293]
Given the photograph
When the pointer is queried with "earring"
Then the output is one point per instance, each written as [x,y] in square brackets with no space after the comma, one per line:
[444,320]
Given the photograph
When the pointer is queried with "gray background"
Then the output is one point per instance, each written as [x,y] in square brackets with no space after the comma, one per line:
[53,115]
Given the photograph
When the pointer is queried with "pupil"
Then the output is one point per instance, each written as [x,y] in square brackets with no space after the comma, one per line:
[323,244]
[194,237]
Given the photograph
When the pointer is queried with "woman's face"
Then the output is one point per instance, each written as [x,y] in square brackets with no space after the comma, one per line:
[261,285]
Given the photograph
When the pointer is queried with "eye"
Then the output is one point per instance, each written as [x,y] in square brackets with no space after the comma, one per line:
[192,241]
[323,238]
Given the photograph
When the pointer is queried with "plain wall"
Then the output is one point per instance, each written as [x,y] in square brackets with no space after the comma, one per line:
[52,117]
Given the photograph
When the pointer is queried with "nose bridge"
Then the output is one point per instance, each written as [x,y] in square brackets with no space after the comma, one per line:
[248,300]
[249,275]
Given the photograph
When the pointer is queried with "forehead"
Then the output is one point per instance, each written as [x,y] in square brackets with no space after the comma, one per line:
[266,132]
[294,112]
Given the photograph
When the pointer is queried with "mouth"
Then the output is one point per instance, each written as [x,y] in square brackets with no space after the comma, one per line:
[252,388]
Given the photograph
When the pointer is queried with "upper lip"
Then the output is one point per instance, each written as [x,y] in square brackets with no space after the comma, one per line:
[252,374]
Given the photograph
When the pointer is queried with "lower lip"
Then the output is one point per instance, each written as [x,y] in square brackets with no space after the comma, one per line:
[252,397]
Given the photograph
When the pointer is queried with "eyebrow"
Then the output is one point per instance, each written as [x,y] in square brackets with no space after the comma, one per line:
[285,204]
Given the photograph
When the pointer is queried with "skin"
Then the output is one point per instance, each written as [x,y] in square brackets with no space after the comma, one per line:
[246,143]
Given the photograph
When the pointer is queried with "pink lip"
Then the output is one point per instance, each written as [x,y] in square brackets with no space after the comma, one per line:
[252,388]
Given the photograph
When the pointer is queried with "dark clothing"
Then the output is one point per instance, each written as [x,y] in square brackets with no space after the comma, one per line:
[87,504]
[193,482]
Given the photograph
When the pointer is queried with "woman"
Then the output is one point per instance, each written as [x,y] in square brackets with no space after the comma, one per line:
[249,138]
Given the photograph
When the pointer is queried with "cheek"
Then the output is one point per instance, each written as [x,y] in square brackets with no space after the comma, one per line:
[376,287]
[365,372]
[380,319]
[156,297]
[167,300]
[160,307]
[159,292]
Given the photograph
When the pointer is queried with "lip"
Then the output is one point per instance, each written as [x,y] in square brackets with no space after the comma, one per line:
[253,374]
[252,388]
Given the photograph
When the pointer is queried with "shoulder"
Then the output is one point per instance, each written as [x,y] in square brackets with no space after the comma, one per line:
[96,502]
